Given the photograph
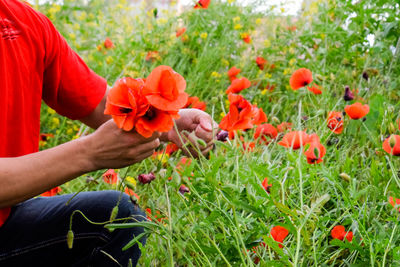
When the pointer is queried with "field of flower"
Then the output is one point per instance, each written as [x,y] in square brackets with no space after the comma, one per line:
[306,172]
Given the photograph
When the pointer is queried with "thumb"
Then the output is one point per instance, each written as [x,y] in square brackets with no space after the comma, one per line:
[205,123]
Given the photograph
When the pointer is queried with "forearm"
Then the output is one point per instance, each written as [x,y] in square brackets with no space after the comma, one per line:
[97,117]
[27,176]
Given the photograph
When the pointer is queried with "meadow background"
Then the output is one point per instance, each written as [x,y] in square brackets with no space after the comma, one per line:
[227,211]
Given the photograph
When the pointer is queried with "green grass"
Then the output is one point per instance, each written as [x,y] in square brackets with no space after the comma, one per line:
[227,211]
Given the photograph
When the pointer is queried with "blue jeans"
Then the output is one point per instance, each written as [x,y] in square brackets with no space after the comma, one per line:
[35,234]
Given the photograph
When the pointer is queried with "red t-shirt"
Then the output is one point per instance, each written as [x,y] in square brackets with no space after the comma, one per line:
[36,63]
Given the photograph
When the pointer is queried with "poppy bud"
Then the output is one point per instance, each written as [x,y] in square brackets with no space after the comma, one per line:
[316,152]
[183,189]
[201,142]
[365,75]
[275,120]
[348,95]
[70,239]
[114,213]
[155,12]
[146,178]
[222,136]
[392,141]
[392,128]
[345,176]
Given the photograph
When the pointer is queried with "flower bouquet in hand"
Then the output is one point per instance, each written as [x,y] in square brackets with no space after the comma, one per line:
[147,105]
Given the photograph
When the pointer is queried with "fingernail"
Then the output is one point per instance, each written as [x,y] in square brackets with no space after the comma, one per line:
[207,126]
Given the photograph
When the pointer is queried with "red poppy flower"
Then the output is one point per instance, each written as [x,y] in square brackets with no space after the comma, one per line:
[194,102]
[180,31]
[294,139]
[171,148]
[300,78]
[108,43]
[316,151]
[165,89]
[339,232]
[233,72]
[203,4]
[249,146]
[265,185]
[152,56]
[259,116]
[146,178]
[394,202]
[261,62]
[270,87]
[315,89]
[238,85]
[266,130]
[52,192]
[246,38]
[279,233]
[392,145]
[130,192]
[110,176]
[45,136]
[335,121]
[357,110]
[284,126]
[155,120]
[124,102]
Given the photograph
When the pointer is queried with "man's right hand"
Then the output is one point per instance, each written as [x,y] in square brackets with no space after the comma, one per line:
[111,147]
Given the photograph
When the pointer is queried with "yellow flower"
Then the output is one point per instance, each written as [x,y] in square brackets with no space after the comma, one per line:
[267,43]
[70,131]
[258,21]
[50,110]
[292,50]
[225,62]
[215,74]
[72,36]
[231,1]
[55,122]
[292,61]
[109,60]
[268,75]
[203,35]
[162,21]
[263,92]
[322,35]
[286,71]
[222,114]
[237,26]
[282,9]
[76,26]
[131,180]
[236,19]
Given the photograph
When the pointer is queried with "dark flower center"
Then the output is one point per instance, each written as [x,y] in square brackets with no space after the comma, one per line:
[150,114]
[125,110]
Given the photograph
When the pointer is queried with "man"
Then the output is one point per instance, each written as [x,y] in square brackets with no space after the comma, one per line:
[36,63]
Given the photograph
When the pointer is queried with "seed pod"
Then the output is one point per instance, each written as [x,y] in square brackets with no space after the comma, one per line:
[275,120]
[70,239]
[392,141]
[392,128]
[345,176]
[114,213]
[201,142]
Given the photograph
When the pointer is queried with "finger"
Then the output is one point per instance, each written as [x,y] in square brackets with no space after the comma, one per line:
[143,156]
[144,148]
[136,138]
[205,135]
[207,150]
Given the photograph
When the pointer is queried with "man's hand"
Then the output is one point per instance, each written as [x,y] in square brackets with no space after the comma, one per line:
[193,125]
[111,147]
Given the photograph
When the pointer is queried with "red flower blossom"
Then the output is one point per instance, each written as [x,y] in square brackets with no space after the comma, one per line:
[110,176]
[180,31]
[392,145]
[294,139]
[394,202]
[108,43]
[52,192]
[246,38]
[270,87]
[265,185]
[203,4]
[279,233]
[261,62]
[266,130]
[335,121]
[165,89]
[146,178]
[357,110]
[249,146]
[316,151]
[130,193]
[45,136]
[284,126]
[238,85]
[259,116]
[300,78]
[315,89]
[171,148]
[183,189]
[339,232]
[152,56]
[233,72]
[124,102]
[194,102]
[155,120]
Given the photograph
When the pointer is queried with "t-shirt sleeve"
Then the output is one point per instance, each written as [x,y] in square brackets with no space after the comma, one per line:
[69,86]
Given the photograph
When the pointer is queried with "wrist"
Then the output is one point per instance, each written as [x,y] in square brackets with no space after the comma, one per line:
[164,137]
[85,149]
